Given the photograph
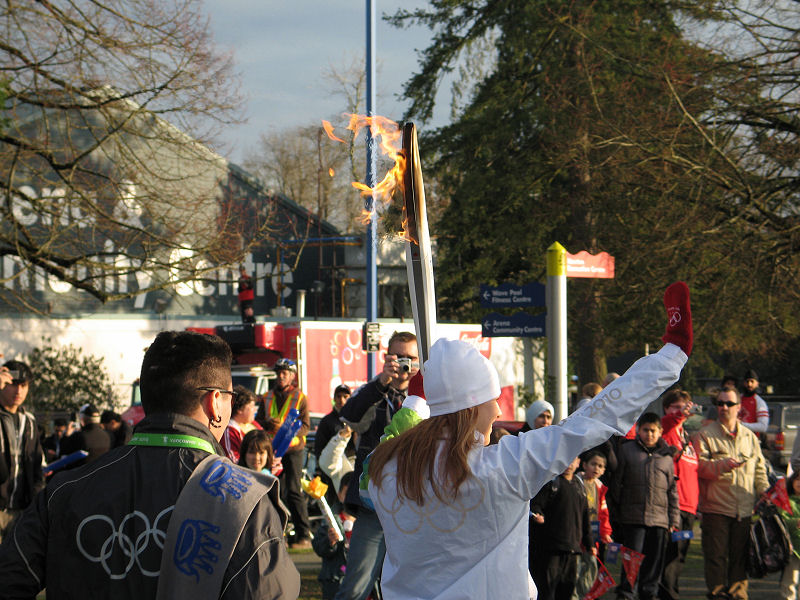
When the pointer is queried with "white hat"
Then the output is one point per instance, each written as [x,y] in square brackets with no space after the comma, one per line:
[457,376]
[418,405]
[537,408]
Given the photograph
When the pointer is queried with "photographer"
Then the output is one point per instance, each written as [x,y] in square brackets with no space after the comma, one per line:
[368,412]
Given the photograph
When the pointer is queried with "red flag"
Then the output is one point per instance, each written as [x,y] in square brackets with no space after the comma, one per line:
[602,583]
[631,562]
[778,496]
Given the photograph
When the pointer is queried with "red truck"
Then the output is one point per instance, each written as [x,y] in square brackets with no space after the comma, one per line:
[329,353]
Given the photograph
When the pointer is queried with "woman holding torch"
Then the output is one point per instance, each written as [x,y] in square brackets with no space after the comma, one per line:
[455,511]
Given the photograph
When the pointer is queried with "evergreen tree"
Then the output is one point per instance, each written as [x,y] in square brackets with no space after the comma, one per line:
[593,128]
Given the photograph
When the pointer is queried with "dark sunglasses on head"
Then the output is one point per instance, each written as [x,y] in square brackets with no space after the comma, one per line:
[234,395]
[724,403]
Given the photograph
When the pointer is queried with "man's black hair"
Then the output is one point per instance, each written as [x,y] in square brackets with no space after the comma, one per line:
[176,364]
[590,454]
[649,417]
[110,415]
[59,422]
[25,375]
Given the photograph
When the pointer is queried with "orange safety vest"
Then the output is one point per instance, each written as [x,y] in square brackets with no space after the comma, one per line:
[293,400]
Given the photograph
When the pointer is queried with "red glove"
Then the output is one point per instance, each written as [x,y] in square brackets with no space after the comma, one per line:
[679,317]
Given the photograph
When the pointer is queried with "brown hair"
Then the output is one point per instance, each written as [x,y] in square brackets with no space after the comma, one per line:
[256,440]
[729,388]
[673,396]
[244,397]
[417,453]
[401,336]
[591,389]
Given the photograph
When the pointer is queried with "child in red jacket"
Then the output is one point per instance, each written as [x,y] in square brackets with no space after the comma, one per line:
[593,465]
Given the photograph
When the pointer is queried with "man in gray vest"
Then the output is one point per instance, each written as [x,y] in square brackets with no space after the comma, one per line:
[165,516]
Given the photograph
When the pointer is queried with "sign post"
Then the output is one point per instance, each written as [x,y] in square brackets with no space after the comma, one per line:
[557,329]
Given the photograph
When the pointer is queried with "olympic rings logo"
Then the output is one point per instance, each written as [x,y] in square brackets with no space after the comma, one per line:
[121,538]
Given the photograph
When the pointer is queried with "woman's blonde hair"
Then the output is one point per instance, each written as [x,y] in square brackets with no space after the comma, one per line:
[417,450]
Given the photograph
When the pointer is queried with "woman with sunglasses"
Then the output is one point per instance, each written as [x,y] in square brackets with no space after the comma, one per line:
[455,511]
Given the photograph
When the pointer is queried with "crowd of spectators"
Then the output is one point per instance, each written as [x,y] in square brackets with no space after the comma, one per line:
[645,490]
[658,480]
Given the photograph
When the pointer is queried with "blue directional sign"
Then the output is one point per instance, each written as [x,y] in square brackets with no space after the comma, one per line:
[509,295]
[518,325]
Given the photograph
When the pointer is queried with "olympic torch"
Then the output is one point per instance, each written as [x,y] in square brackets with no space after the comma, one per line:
[419,260]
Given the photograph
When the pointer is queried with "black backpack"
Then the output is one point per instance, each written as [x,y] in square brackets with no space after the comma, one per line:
[770,547]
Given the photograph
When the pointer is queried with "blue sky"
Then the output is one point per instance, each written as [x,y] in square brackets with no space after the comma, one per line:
[282,47]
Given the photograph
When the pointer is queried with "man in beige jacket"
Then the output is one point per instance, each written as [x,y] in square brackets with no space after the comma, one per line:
[732,474]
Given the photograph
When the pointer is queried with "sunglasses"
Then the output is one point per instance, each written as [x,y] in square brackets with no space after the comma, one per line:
[234,395]
[723,403]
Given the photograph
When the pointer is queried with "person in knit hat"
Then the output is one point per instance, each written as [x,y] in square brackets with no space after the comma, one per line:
[454,511]
[539,414]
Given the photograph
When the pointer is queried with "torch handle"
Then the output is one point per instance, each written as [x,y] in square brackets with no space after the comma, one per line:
[330,518]
[419,258]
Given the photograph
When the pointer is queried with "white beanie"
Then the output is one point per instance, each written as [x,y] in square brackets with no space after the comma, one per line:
[418,405]
[457,376]
[537,408]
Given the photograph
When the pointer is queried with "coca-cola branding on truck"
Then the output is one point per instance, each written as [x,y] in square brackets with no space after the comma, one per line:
[481,344]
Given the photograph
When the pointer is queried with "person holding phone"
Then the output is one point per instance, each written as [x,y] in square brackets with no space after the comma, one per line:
[732,474]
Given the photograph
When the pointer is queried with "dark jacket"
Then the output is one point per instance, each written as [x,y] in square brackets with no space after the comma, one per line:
[66,540]
[334,558]
[92,438]
[368,411]
[52,447]
[327,427]
[566,526]
[644,490]
[30,460]
[122,435]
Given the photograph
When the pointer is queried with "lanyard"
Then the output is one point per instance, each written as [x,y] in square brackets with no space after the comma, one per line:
[171,440]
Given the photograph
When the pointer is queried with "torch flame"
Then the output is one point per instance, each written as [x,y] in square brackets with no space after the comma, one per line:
[390,135]
[331,172]
[326,125]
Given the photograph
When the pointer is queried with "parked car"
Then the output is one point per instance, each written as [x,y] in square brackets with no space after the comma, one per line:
[784,419]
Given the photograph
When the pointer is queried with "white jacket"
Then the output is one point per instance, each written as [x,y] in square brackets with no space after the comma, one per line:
[476,546]
[333,461]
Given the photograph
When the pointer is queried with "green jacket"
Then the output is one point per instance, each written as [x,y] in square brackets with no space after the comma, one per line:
[403,420]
